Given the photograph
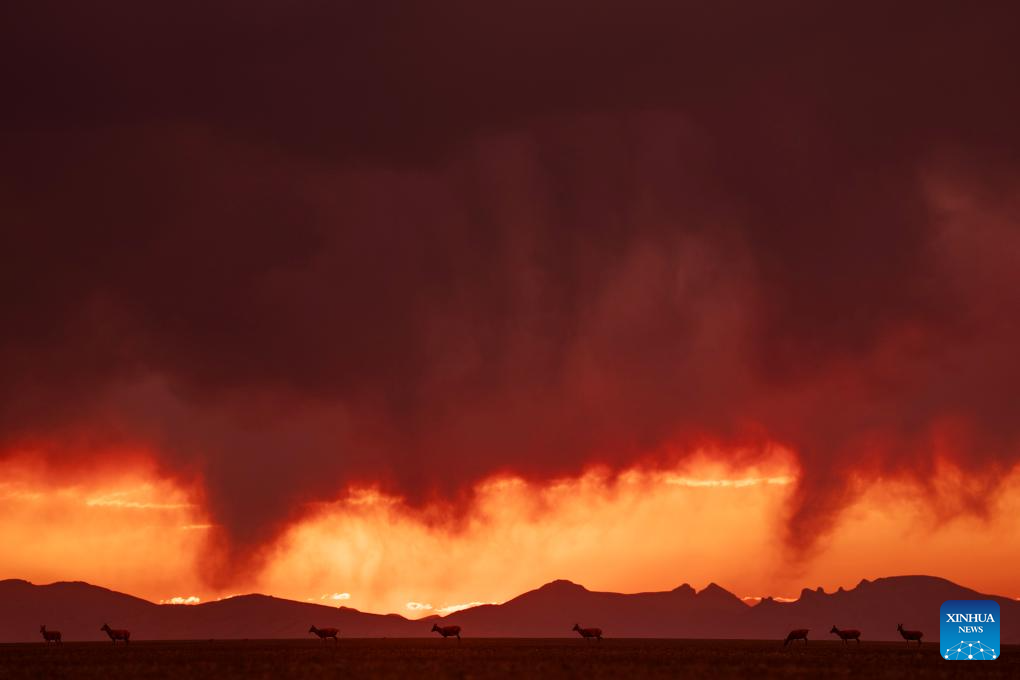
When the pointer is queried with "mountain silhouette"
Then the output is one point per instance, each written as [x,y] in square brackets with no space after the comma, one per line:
[553,609]
[875,607]
[78,609]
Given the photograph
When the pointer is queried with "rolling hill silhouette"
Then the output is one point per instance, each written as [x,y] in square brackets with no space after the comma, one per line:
[78,609]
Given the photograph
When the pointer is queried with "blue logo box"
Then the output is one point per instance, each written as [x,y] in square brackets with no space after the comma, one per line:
[969,630]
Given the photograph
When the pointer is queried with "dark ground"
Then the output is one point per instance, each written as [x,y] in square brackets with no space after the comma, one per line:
[484,658]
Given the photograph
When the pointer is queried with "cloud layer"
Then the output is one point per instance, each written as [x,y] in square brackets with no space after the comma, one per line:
[300,247]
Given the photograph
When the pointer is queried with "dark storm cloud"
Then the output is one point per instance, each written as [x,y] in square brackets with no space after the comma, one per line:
[298,245]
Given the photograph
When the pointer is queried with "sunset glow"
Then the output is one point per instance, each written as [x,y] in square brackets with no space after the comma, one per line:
[638,530]
[414,308]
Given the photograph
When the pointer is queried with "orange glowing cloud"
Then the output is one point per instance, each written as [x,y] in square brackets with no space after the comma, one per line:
[118,524]
[187,599]
[703,521]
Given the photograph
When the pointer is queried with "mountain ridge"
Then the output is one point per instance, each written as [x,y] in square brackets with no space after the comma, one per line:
[78,609]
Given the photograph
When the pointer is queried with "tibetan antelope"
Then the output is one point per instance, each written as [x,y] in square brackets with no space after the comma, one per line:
[799,634]
[326,633]
[117,634]
[588,633]
[50,635]
[447,631]
[847,634]
[909,635]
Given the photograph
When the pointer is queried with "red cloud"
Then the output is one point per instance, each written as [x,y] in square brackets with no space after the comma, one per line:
[361,253]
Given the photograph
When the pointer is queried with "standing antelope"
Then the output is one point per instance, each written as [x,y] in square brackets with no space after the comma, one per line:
[588,633]
[909,635]
[799,634]
[117,634]
[447,631]
[847,634]
[326,633]
[50,635]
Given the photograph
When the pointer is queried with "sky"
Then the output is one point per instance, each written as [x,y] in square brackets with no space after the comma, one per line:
[411,305]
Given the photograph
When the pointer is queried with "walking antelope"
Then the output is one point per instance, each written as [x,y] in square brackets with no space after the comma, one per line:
[117,634]
[847,634]
[326,633]
[50,635]
[909,635]
[447,631]
[799,634]
[588,633]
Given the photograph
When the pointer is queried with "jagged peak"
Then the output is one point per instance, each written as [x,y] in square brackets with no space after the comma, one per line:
[808,593]
[715,589]
[684,588]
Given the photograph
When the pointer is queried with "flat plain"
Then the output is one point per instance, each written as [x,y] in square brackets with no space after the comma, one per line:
[490,658]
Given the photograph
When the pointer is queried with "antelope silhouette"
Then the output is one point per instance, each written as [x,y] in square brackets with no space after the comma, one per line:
[50,635]
[447,631]
[909,635]
[588,633]
[798,634]
[326,633]
[847,634]
[117,634]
